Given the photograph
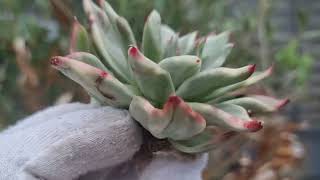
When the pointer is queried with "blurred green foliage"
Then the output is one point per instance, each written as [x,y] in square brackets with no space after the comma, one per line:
[292,59]
[32,22]
[185,16]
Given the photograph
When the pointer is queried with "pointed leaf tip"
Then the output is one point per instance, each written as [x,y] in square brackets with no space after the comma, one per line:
[55,61]
[255,78]
[98,83]
[181,67]
[58,62]
[252,68]
[283,103]
[215,50]
[174,100]
[151,37]
[199,86]
[253,126]
[186,43]
[134,52]
[232,117]
[125,31]
[107,41]
[269,71]
[258,103]
[104,74]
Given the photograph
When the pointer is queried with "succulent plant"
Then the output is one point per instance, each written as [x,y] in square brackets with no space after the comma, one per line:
[174,86]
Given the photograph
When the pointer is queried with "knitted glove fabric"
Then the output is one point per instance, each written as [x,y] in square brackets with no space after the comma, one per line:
[79,141]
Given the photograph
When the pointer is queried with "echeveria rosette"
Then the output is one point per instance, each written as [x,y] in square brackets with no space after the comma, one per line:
[174,87]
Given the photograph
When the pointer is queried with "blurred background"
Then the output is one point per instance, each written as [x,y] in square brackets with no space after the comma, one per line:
[285,33]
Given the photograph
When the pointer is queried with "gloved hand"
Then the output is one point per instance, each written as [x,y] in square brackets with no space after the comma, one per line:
[79,141]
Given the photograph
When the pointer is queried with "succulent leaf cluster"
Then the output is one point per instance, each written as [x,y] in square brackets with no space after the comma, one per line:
[174,86]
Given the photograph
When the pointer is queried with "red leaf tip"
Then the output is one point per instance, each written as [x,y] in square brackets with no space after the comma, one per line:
[198,61]
[133,51]
[55,61]
[270,69]
[175,100]
[253,126]
[103,74]
[283,103]
[252,68]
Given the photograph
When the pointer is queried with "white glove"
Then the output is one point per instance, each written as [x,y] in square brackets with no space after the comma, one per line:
[79,141]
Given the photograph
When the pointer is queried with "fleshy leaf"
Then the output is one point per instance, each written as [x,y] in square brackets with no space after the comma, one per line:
[166,35]
[258,103]
[175,121]
[107,41]
[79,38]
[154,82]
[218,94]
[98,83]
[119,94]
[209,139]
[120,25]
[181,67]
[171,48]
[88,59]
[185,122]
[153,119]
[112,15]
[215,51]
[169,41]
[82,73]
[186,43]
[199,44]
[228,116]
[205,82]
[151,39]
[234,110]
[125,31]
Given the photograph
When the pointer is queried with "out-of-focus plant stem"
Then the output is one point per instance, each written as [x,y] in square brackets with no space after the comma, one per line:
[29,81]
[264,50]
[62,11]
